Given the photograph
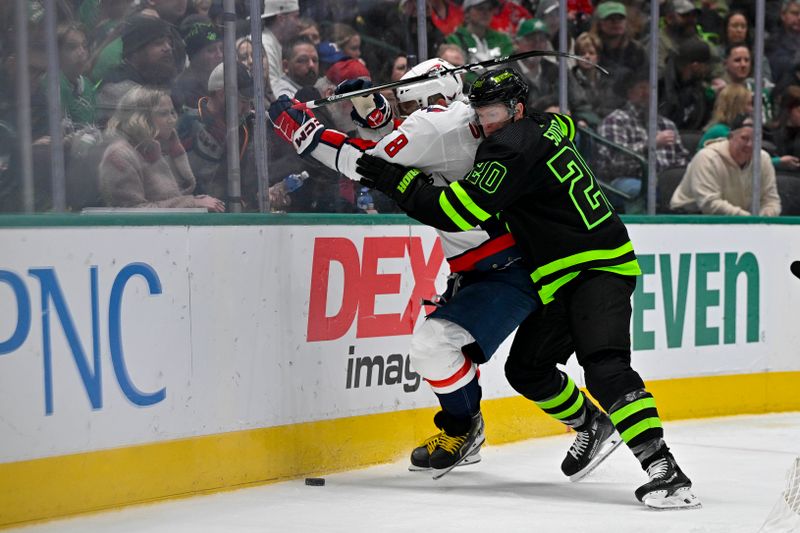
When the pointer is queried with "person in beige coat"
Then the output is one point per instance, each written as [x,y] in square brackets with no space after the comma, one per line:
[145,164]
[719,180]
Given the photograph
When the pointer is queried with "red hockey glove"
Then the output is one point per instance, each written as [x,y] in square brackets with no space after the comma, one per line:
[371,111]
[295,124]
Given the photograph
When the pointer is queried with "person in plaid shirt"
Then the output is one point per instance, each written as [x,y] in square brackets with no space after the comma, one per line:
[627,126]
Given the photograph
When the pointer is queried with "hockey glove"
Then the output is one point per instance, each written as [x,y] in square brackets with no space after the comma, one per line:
[295,124]
[371,111]
[395,181]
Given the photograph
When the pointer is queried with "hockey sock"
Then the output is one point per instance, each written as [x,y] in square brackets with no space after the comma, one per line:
[569,406]
[636,418]
[463,402]
[452,425]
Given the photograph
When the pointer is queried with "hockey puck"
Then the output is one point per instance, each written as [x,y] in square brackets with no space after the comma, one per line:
[795,268]
[315,481]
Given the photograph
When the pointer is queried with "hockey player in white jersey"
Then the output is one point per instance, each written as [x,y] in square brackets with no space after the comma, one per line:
[489,291]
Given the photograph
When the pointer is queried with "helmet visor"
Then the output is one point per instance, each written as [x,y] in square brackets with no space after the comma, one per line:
[493,117]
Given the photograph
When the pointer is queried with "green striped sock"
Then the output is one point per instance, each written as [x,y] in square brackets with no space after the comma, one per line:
[568,406]
[637,421]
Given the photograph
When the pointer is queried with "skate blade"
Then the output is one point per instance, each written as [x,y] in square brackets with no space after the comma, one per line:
[681,499]
[470,460]
[611,444]
[438,474]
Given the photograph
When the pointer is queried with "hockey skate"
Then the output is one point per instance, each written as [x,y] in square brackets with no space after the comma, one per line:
[591,447]
[457,441]
[669,488]
[421,455]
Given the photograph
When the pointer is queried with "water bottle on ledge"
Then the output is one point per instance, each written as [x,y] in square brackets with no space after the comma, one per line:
[364,201]
[279,193]
[292,182]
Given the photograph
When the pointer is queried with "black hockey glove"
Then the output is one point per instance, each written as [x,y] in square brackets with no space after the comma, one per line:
[395,181]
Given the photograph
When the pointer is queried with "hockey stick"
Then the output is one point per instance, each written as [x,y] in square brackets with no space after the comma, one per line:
[447,72]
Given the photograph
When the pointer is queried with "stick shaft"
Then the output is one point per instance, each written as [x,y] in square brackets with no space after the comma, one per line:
[445,72]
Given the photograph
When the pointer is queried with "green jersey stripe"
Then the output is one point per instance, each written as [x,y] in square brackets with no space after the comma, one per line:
[631,268]
[471,206]
[450,211]
[582,257]
[547,291]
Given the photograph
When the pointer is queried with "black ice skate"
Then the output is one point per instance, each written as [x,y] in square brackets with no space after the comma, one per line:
[458,440]
[591,446]
[421,455]
[668,488]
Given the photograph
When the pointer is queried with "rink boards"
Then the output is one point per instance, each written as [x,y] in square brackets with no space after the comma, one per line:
[151,357]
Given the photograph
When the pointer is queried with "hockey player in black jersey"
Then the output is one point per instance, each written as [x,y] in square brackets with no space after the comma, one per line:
[529,176]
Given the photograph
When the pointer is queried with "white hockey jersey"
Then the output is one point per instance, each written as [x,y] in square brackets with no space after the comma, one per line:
[440,141]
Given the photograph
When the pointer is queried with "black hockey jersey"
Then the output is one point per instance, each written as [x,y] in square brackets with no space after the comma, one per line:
[530,176]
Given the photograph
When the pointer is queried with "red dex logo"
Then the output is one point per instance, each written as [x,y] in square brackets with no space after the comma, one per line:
[362,283]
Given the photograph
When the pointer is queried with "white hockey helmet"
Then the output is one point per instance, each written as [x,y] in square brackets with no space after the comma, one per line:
[425,93]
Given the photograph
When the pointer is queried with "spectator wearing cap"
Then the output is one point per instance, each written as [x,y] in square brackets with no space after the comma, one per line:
[680,26]
[542,76]
[204,49]
[618,49]
[328,54]
[783,49]
[348,69]
[627,127]
[684,93]
[719,180]
[476,37]
[548,12]
[148,60]
[300,67]
[338,113]
[109,53]
[281,20]
[203,134]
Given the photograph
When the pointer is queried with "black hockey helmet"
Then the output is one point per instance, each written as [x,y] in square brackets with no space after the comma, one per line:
[499,86]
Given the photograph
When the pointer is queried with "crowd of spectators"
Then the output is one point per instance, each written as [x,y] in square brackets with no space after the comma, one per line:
[143,102]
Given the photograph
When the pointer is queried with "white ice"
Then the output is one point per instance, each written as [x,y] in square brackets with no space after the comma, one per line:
[737,465]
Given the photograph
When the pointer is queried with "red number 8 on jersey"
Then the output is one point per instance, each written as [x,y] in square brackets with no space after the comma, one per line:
[396,145]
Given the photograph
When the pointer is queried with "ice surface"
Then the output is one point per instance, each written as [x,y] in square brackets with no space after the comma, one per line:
[737,464]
